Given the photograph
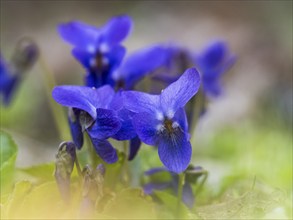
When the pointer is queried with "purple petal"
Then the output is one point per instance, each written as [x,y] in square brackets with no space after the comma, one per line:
[126,131]
[103,96]
[174,150]
[150,187]
[213,55]
[75,97]
[141,102]
[145,125]
[79,34]
[181,119]
[177,94]
[139,64]
[84,98]
[117,29]
[212,88]
[82,56]
[134,147]
[116,55]
[105,150]
[106,124]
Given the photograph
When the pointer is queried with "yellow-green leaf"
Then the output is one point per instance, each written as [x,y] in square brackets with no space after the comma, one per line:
[8,153]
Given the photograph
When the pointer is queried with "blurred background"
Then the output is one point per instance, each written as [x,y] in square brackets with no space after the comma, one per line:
[246,132]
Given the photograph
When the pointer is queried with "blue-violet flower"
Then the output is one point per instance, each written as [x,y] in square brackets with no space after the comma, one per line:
[160,120]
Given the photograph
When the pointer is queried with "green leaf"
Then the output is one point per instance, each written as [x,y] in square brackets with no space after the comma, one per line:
[15,199]
[8,153]
[130,204]
[42,172]
[43,202]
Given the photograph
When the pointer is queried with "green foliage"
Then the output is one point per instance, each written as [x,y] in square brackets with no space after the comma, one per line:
[131,204]
[258,162]
[41,173]
[8,153]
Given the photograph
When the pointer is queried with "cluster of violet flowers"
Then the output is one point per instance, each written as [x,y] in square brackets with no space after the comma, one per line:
[108,105]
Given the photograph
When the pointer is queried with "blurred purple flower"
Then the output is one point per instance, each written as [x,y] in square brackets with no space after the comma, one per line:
[11,73]
[100,52]
[160,120]
[97,49]
[213,62]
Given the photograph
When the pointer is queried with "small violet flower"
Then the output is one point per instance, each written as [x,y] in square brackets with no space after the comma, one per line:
[160,120]
[162,179]
[99,112]
[98,49]
[213,62]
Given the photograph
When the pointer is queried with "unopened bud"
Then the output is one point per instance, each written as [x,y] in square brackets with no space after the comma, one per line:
[65,160]
[93,181]
[25,55]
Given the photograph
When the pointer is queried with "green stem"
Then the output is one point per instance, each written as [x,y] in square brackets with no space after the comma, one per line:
[181,182]
[58,114]
[92,154]
[125,162]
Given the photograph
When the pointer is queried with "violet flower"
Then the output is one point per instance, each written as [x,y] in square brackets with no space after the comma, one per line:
[213,62]
[98,49]
[160,120]
[91,109]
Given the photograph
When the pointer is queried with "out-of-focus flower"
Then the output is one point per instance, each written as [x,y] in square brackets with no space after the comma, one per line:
[213,62]
[65,159]
[171,181]
[98,49]
[25,55]
[160,120]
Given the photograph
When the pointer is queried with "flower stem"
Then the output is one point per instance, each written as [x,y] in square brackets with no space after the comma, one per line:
[125,162]
[92,155]
[57,111]
[181,182]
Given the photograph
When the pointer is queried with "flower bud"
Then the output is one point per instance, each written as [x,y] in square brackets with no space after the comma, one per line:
[25,55]
[65,159]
